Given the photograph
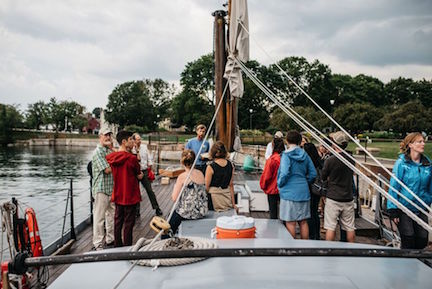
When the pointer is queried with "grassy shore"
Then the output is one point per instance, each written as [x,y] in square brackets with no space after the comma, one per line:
[389,150]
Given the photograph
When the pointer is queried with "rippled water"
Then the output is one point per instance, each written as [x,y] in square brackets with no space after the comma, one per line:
[40,177]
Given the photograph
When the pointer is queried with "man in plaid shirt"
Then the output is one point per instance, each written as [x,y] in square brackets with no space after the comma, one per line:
[102,187]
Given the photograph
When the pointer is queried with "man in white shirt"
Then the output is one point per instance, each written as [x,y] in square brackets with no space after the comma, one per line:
[269,149]
[146,163]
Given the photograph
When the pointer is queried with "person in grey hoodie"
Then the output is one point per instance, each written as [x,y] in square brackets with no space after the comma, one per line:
[296,172]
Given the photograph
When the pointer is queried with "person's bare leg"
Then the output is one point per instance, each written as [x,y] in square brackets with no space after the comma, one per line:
[330,235]
[350,236]
[304,229]
[291,226]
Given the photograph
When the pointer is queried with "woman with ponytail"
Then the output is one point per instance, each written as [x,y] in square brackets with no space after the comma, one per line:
[413,168]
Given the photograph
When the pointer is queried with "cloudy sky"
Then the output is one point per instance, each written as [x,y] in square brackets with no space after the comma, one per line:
[80,50]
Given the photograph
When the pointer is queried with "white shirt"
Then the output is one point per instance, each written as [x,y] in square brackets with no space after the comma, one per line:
[269,150]
[146,157]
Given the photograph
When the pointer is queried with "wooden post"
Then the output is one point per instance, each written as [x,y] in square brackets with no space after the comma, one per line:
[220,82]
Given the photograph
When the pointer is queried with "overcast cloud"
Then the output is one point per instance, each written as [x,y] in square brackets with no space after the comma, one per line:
[80,50]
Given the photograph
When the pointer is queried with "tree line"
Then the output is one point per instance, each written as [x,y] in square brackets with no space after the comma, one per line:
[360,103]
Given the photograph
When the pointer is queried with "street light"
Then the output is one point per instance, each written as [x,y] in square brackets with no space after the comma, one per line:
[332,102]
[250,117]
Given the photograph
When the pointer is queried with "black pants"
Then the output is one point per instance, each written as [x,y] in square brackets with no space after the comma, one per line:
[174,222]
[413,236]
[273,201]
[147,186]
[124,220]
[314,221]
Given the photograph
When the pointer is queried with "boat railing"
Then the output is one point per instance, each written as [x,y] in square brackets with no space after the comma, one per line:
[382,218]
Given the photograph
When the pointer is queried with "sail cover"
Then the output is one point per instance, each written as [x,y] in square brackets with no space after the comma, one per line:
[238,43]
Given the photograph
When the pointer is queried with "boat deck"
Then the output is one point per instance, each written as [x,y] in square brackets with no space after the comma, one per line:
[142,229]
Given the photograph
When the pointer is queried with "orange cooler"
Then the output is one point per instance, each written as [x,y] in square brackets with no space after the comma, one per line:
[235,227]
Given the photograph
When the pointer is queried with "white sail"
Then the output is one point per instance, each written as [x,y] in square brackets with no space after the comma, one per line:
[238,46]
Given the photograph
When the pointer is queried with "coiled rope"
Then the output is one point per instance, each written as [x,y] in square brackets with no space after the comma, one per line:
[144,244]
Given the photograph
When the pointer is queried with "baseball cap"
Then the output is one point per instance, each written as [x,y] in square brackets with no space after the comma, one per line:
[105,131]
[278,134]
[340,137]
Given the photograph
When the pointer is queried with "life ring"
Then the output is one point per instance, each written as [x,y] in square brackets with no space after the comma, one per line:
[34,239]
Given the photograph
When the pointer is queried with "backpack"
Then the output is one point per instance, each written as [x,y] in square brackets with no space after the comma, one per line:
[193,202]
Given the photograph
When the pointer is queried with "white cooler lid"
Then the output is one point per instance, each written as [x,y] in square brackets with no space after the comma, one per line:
[235,222]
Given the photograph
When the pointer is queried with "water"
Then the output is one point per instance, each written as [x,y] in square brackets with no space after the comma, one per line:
[39,177]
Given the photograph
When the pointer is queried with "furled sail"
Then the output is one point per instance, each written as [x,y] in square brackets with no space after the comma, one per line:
[238,46]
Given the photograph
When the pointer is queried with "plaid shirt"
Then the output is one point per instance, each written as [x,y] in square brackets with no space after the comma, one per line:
[102,183]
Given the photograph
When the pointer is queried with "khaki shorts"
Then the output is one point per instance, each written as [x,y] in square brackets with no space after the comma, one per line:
[342,210]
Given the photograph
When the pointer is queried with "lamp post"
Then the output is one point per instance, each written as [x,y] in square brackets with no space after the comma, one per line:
[332,102]
[250,117]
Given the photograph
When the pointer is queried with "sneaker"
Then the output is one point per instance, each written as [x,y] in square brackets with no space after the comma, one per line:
[159,212]
[109,245]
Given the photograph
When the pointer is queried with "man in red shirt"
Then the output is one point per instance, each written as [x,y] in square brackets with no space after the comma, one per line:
[126,193]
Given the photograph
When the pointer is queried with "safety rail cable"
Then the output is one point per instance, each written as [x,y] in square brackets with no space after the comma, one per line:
[182,189]
[329,147]
[338,125]
[64,217]
[262,86]
[271,95]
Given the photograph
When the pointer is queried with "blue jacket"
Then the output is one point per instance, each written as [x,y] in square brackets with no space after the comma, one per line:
[296,172]
[417,177]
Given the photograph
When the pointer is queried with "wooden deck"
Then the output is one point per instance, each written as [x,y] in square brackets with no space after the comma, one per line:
[142,229]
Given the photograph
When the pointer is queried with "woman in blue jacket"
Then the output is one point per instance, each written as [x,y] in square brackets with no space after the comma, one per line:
[295,173]
[413,168]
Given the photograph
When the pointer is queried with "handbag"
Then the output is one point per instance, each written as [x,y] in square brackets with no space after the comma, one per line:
[150,175]
[319,187]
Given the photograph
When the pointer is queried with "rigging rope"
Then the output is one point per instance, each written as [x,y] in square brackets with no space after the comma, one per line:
[262,86]
[295,117]
[340,127]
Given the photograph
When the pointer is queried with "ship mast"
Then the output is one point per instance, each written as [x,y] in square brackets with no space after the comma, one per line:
[227,115]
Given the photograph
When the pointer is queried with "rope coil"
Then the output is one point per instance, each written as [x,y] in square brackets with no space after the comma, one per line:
[195,243]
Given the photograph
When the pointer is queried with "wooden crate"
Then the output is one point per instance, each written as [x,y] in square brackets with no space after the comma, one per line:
[171,173]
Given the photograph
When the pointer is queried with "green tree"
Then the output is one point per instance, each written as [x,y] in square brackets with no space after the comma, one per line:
[189,108]
[400,90]
[65,115]
[160,93]
[37,114]
[423,92]
[357,117]
[139,103]
[10,117]
[411,116]
[369,89]
[314,78]
[282,121]
[198,77]
[96,112]
[254,99]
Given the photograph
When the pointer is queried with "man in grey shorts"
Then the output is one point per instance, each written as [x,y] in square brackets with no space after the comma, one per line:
[340,201]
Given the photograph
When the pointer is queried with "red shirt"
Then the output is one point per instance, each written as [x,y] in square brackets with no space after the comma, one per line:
[268,180]
[125,169]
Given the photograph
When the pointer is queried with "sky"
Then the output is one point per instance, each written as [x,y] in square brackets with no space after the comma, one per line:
[80,50]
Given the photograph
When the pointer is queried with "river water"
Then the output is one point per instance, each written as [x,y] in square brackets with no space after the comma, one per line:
[39,177]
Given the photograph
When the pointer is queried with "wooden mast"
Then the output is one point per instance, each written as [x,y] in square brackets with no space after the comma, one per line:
[220,62]
[226,120]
